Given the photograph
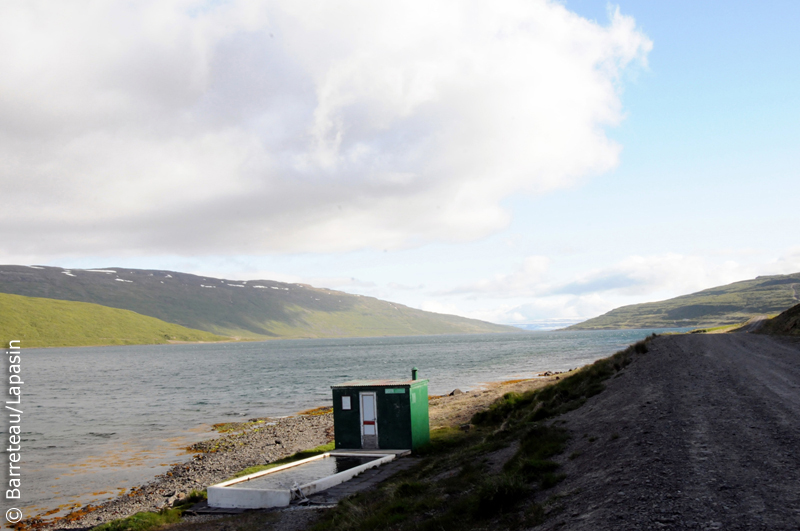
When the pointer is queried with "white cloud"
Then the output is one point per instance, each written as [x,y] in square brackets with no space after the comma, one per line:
[404,287]
[347,284]
[639,276]
[788,263]
[529,294]
[191,127]
[543,308]
[526,280]
[634,276]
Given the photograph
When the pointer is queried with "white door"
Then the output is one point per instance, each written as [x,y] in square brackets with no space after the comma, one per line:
[369,421]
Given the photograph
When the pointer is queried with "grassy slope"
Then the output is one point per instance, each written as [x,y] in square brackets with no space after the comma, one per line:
[234,308]
[40,322]
[454,487]
[723,305]
[787,323]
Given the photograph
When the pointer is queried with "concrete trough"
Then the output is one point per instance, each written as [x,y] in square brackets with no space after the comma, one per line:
[278,486]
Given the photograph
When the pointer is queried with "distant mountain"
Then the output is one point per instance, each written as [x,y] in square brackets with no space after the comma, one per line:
[785,324]
[40,322]
[544,325]
[256,309]
[723,305]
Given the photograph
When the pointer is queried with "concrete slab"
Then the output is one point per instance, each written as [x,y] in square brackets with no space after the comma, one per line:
[366,480]
[396,453]
[329,498]
[240,492]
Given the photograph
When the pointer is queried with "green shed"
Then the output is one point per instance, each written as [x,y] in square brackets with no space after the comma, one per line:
[387,414]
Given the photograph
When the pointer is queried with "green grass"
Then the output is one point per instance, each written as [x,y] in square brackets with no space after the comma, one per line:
[787,323]
[718,329]
[720,306]
[142,521]
[565,395]
[39,322]
[235,309]
[453,488]
[145,521]
[286,460]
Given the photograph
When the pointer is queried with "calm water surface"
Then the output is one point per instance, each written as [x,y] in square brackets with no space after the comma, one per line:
[99,420]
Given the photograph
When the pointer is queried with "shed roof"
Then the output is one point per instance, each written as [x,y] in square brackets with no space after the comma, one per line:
[378,383]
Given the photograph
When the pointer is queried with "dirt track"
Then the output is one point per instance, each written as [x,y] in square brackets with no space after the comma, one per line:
[702,432]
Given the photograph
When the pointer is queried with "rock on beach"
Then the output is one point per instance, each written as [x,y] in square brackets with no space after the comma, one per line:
[258,443]
[216,460]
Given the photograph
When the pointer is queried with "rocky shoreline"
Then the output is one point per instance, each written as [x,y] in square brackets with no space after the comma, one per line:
[257,442]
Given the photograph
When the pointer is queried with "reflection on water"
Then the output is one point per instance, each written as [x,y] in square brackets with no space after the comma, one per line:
[306,473]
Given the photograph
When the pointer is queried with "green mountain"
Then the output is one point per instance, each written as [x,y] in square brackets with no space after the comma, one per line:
[257,309]
[785,324]
[51,323]
[723,305]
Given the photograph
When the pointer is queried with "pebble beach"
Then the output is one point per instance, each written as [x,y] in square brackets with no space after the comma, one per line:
[258,442]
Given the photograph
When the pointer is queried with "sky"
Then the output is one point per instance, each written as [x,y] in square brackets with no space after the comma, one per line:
[515,161]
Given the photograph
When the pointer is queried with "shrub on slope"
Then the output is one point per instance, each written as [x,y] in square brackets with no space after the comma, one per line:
[787,323]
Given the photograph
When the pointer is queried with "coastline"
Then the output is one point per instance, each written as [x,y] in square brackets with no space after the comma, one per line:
[260,441]
[238,339]
[167,342]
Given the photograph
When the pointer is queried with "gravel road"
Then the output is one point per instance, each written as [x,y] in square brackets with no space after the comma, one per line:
[702,432]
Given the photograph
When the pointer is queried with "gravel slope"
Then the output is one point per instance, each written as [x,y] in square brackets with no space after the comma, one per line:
[702,432]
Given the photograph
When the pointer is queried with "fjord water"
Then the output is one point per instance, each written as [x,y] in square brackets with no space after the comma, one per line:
[98,420]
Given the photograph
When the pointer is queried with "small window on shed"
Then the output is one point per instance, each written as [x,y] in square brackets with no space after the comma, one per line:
[346,402]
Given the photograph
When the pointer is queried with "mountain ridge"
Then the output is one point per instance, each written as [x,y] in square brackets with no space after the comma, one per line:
[718,306]
[252,309]
[39,322]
